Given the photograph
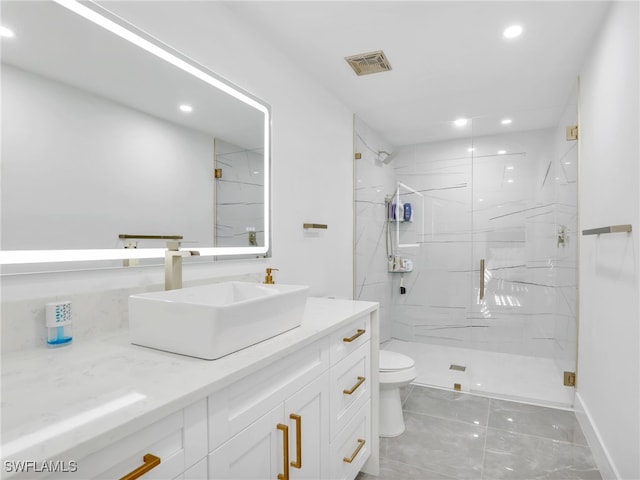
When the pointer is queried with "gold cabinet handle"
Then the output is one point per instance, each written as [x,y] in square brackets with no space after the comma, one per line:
[482,279]
[350,339]
[285,451]
[150,462]
[298,419]
[355,387]
[353,456]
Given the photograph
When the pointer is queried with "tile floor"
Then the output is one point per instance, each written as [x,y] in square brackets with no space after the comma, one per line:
[461,436]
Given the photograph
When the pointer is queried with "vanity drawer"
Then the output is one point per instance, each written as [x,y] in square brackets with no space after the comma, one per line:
[234,408]
[348,339]
[350,387]
[179,440]
[352,446]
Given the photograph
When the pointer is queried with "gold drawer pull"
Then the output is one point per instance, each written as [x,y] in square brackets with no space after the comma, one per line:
[285,451]
[350,339]
[298,419]
[355,387]
[150,462]
[361,443]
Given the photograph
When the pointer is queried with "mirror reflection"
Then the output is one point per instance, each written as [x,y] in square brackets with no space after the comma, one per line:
[101,138]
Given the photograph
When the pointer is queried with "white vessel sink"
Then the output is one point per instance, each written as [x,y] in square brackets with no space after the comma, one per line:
[211,321]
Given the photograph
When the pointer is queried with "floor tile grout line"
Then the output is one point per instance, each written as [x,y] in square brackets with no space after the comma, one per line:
[419,467]
[538,436]
[457,420]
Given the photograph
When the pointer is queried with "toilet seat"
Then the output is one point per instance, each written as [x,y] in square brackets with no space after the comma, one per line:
[393,361]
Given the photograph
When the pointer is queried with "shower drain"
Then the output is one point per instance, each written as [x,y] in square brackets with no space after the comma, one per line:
[460,368]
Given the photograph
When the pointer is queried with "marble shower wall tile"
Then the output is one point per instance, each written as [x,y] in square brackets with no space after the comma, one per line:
[472,210]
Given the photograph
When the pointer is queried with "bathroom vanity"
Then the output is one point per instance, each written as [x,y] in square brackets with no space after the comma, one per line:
[302,404]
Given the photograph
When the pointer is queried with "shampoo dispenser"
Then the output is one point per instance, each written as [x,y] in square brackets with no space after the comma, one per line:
[58,321]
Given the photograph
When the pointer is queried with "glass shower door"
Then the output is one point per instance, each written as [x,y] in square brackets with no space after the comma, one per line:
[514,297]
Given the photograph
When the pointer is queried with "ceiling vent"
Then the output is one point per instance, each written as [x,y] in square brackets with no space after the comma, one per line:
[366,63]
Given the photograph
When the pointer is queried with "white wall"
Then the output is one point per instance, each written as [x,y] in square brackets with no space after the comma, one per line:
[312,175]
[609,349]
[312,136]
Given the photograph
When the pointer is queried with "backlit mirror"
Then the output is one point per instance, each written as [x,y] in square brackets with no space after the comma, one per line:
[109,137]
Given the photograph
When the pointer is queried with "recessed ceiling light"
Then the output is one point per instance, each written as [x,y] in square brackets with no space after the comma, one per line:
[461,122]
[186,108]
[567,163]
[513,31]
[501,152]
[506,121]
[510,180]
[6,32]
[509,167]
[471,149]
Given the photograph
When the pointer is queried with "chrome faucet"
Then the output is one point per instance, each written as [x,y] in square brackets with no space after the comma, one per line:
[173,264]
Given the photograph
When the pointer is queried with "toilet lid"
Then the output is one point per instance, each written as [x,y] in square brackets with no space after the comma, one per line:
[394,361]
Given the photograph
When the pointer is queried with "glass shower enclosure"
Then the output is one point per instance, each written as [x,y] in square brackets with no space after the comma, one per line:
[490,303]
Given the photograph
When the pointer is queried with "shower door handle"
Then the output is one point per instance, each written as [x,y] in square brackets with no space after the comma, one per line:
[482,279]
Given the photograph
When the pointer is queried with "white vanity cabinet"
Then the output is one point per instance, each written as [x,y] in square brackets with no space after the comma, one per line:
[303,417]
[351,394]
[166,449]
[300,405]
[273,422]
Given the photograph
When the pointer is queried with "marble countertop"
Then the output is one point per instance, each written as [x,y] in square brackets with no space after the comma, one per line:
[65,403]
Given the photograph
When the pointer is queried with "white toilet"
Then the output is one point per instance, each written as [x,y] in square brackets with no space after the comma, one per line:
[396,371]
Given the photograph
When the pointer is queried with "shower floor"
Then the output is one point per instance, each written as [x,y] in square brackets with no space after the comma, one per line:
[499,375]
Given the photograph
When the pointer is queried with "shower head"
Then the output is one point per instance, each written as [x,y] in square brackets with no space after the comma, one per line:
[388,156]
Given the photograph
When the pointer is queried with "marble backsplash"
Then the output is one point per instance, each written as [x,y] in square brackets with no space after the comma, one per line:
[95,313]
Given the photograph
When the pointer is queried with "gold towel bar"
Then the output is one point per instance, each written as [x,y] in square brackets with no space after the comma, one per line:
[151,237]
[611,229]
[314,225]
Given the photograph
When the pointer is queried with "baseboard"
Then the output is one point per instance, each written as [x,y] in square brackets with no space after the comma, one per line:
[598,449]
